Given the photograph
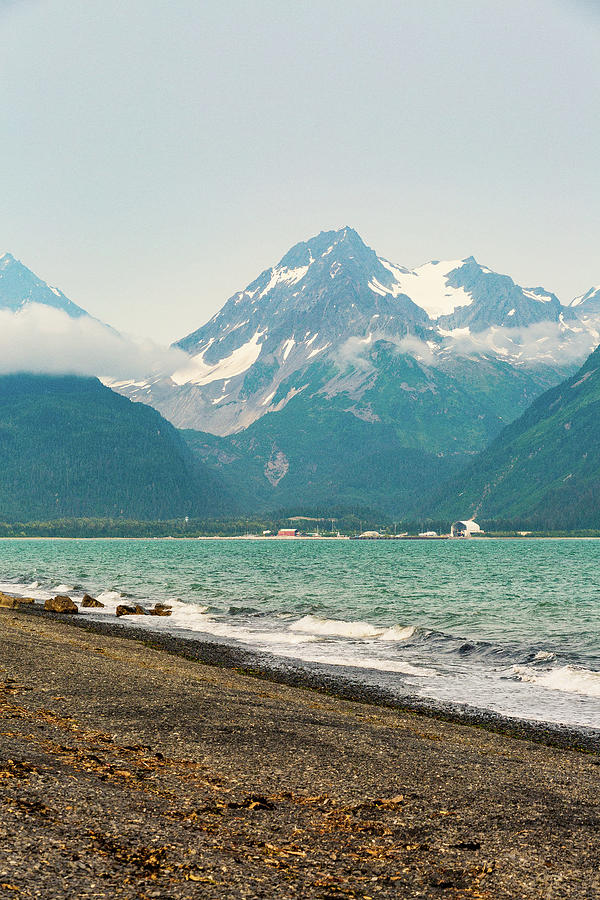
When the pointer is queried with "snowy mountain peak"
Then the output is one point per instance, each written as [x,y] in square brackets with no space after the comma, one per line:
[332,284]
[331,314]
[20,287]
[345,239]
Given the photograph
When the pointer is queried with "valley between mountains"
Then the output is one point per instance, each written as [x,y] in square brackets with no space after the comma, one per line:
[340,381]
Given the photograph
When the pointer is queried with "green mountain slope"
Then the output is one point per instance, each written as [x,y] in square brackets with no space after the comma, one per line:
[392,430]
[543,470]
[316,459]
[71,447]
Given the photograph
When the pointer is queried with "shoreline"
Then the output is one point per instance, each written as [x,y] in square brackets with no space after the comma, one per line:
[307,538]
[333,681]
[129,771]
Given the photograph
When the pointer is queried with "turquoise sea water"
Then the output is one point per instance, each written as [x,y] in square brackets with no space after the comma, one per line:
[511,626]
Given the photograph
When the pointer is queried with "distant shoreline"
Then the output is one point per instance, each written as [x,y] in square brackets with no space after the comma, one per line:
[301,538]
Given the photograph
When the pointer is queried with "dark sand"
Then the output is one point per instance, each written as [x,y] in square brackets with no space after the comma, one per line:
[129,771]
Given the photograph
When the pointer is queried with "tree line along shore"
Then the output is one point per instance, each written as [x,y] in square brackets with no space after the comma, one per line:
[192,528]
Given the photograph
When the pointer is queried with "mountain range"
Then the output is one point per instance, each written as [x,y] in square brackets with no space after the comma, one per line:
[338,379]
[332,304]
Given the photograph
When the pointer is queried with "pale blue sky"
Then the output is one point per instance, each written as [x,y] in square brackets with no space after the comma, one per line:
[158,154]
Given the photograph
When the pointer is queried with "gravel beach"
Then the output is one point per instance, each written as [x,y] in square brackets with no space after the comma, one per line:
[128,769]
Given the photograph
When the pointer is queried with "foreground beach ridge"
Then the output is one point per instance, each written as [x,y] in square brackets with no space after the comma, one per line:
[127,771]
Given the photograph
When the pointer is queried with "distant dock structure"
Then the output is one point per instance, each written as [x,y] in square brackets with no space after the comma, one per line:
[465,528]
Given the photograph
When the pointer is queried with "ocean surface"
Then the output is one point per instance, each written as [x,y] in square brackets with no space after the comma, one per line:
[511,626]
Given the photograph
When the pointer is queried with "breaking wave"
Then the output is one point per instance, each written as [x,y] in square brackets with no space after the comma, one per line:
[569,679]
[317,626]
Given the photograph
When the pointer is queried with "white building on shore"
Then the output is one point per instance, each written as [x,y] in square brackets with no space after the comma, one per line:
[465,528]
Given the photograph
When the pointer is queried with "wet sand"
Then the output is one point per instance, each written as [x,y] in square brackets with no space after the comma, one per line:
[127,770]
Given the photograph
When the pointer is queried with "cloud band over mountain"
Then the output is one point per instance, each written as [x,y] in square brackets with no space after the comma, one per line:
[40,339]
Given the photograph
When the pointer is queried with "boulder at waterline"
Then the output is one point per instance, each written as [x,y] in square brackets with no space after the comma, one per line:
[125,610]
[160,609]
[91,602]
[60,604]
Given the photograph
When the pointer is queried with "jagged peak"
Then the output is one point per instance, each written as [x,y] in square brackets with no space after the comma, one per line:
[20,286]
[6,259]
[322,244]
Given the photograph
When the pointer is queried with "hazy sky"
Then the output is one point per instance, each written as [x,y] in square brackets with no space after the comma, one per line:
[158,154]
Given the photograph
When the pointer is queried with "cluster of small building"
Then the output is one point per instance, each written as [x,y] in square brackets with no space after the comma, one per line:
[464,528]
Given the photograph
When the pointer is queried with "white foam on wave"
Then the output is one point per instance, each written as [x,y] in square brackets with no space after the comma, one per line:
[110,599]
[397,633]
[190,617]
[354,661]
[569,679]
[286,643]
[317,626]
[544,656]
[32,590]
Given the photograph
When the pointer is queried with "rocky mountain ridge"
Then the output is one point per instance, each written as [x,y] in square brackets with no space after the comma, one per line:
[331,301]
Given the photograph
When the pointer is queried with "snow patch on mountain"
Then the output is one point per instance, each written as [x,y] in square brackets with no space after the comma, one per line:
[287,347]
[198,372]
[284,276]
[428,287]
[538,294]
[592,294]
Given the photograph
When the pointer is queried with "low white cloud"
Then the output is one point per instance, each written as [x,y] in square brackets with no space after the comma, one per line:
[353,353]
[550,342]
[415,347]
[40,339]
[355,350]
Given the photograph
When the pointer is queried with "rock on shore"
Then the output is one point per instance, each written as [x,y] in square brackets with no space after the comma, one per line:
[125,609]
[8,602]
[91,602]
[60,604]
[160,609]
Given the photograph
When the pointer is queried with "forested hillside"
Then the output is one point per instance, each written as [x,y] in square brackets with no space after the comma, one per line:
[71,447]
[317,459]
[542,471]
